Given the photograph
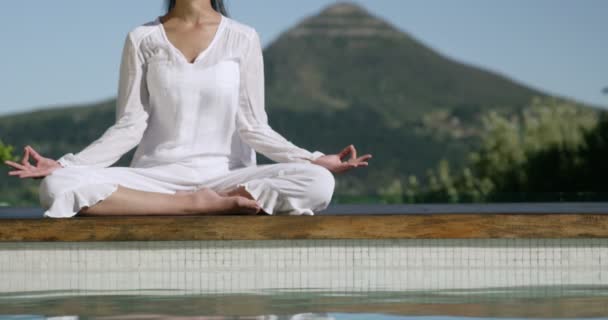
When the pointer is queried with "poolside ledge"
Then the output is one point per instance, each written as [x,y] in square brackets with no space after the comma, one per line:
[424,225]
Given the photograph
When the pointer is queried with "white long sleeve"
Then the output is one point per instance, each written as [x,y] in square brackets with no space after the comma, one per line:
[131,115]
[252,120]
[208,111]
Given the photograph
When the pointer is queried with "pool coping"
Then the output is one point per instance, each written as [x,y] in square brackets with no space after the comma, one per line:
[372,226]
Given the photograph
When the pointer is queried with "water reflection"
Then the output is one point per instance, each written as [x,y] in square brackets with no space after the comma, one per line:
[514,303]
[300,316]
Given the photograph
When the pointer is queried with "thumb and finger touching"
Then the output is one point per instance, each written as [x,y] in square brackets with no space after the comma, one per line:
[35,154]
[25,168]
[354,161]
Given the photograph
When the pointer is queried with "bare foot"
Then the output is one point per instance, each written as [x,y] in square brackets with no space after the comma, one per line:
[207,201]
[239,191]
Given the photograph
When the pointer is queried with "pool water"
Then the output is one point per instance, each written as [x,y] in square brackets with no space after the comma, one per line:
[572,302]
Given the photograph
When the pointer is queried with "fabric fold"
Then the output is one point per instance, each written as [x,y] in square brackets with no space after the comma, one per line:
[68,203]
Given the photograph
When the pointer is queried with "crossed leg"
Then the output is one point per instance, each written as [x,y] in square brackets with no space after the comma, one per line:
[291,188]
[134,191]
[281,188]
[127,201]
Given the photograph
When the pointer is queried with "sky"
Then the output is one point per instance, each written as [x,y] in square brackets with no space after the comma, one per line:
[64,52]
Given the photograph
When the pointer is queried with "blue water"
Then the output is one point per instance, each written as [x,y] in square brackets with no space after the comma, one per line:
[336,316]
[516,303]
[303,316]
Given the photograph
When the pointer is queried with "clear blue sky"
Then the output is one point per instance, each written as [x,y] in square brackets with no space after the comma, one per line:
[68,51]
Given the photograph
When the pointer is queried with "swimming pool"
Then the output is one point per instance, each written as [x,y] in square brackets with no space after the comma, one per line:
[380,267]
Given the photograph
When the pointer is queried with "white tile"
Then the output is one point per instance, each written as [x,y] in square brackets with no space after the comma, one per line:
[399,264]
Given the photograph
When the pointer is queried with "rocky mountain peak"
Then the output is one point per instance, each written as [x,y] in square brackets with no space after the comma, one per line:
[344,19]
[343,8]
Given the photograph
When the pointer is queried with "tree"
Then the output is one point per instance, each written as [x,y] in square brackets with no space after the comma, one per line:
[6,152]
[552,147]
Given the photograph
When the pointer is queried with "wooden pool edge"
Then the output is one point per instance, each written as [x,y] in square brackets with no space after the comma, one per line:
[383,226]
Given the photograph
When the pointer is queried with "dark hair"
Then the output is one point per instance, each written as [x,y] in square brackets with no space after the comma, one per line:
[218,5]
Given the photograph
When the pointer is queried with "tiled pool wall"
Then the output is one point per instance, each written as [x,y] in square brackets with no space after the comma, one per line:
[349,265]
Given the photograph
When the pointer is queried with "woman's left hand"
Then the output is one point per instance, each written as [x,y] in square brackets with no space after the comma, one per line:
[333,162]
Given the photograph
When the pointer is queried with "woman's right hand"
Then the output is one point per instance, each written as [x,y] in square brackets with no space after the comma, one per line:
[44,166]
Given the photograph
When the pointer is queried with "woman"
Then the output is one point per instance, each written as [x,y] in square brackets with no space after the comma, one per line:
[191,98]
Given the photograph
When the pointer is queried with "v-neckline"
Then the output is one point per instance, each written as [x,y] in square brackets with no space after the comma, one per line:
[201,54]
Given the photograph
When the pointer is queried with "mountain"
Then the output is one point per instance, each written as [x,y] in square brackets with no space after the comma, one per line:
[345,58]
[338,77]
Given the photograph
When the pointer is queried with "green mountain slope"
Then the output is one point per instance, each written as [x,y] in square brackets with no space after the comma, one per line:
[344,58]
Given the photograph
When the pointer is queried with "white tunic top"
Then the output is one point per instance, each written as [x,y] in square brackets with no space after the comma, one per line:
[208,112]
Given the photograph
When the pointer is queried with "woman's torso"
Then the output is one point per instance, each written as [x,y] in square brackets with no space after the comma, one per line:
[192,106]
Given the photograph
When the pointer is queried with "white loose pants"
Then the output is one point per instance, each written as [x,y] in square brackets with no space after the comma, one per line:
[292,188]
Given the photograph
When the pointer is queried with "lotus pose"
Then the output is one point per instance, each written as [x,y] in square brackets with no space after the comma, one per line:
[191,98]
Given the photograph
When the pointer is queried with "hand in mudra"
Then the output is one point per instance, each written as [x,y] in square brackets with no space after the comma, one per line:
[333,162]
[44,166]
